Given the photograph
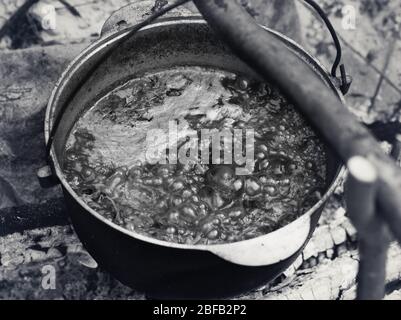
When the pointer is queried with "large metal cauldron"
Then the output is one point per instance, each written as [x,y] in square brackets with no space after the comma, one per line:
[161,269]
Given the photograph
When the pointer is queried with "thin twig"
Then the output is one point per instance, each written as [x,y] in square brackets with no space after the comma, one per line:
[72,9]
[377,70]
[389,55]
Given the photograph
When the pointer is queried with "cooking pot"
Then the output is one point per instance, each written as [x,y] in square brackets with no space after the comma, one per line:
[162,269]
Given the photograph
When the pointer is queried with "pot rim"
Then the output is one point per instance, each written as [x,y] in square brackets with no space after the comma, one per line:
[109,38]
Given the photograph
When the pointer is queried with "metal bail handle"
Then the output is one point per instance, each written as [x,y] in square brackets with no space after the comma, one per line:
[132,31]
[344,78]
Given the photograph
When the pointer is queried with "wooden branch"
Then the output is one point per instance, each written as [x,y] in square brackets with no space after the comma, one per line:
[373,234]
[278,65]
[361,192]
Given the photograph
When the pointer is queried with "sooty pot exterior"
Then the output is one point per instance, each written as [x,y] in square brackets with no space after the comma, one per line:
[164,272]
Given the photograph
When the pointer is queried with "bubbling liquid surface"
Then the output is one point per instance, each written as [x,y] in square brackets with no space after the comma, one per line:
[106,160]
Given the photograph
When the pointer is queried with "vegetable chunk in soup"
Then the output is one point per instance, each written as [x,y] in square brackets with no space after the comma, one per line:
[139,157]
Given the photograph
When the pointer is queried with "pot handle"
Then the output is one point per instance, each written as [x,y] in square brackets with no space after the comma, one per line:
[269,249]
[134,13]
[344,79]
[46,177]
